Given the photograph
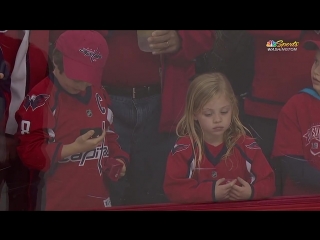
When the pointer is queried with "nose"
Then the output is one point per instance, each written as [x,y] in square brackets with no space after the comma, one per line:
[217,118]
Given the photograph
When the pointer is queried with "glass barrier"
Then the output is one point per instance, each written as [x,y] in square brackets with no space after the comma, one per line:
[159,119]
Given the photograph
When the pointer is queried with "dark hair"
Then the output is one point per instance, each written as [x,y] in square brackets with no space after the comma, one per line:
[57,58]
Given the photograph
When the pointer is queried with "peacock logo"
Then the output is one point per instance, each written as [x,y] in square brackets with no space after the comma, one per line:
[271,43]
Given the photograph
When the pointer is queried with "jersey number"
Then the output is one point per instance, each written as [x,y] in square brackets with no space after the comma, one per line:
[25,127]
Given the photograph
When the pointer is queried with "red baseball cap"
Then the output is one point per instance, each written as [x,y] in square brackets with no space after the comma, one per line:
[85,53]
[311,45]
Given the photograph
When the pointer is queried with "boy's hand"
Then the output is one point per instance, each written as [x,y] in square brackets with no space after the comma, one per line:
[83,143]
[222,190]
[1,75]
[240,192]
[124,169]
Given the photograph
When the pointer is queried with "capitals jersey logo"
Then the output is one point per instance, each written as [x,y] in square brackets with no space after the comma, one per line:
[179,148]
[312,137]
[253,145]
[99,153]
[35,101]
[313,133]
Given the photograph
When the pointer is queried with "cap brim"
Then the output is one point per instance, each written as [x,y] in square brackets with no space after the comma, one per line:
[82,72]
[311,45]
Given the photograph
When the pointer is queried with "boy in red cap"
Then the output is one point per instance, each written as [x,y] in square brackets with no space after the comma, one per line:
[297,141]
[65,128]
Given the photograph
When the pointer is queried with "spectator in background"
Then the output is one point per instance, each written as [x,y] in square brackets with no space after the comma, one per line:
[25,54]
[281,67]
[297,139]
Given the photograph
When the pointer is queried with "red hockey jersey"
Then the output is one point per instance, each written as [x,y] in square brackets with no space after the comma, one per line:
[49,118]
[298,136]
[185,183]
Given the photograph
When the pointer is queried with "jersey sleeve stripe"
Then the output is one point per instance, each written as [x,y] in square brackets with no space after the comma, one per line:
[191,167]
[248,164]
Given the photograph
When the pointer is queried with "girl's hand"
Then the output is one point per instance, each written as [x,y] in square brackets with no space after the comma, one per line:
[240,192]
[222,190]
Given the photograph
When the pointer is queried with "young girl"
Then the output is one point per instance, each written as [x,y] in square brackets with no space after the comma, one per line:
[213,159]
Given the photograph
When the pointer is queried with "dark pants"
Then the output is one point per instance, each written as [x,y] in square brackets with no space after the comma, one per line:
[264,130]
[136,121]
[16,176]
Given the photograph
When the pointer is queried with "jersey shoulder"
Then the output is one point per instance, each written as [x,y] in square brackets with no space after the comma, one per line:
[39,95]
[45,86]
[248,143]
[183,145]
[299,104]
[296,102]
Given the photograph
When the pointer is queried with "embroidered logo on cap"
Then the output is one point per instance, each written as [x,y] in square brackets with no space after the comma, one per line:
[93,54]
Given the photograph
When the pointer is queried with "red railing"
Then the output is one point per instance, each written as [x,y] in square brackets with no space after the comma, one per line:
[303,203]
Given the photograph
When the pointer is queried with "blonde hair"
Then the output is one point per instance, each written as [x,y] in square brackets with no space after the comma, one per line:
[201,90]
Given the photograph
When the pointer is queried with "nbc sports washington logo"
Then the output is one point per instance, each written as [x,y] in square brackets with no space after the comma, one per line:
[281,46]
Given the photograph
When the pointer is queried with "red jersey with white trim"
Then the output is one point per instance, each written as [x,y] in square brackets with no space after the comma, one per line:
[186,183]
[49,118]
[298,136]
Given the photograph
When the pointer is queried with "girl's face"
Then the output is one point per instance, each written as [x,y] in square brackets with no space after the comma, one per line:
[315,72]
[215,119]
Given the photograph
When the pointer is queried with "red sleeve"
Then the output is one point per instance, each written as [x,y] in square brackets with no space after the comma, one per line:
[178,185]
[115,150]
[36,148]
[193,44]
[287,34]
[262,175]
[288,138]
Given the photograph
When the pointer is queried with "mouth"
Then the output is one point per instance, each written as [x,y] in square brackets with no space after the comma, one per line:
[217,128]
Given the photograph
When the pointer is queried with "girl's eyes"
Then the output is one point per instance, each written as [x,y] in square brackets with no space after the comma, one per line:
[210,114]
